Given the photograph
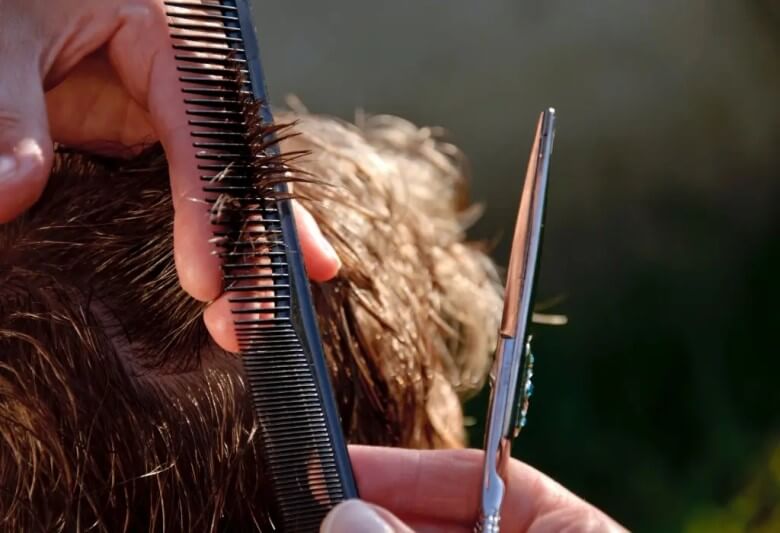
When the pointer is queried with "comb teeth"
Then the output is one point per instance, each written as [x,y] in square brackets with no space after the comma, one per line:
[243,175]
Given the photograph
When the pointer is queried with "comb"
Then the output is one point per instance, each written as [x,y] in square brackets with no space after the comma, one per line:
[245,182]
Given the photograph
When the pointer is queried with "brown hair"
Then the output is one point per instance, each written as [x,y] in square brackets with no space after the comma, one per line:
[116,410]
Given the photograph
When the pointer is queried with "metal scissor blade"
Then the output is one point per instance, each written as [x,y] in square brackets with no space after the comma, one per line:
[526,243]
[514,361]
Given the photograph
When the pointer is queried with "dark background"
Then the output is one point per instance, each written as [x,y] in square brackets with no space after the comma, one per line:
[659,401]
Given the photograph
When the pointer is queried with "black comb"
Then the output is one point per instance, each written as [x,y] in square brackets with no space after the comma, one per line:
[244,177]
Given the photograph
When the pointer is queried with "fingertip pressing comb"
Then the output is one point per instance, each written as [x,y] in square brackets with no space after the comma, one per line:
[245,180]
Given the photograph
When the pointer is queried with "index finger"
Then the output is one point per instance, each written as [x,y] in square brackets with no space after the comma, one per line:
[445,485]
[142,52]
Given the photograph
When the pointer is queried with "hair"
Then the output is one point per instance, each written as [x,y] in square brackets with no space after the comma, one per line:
[118,413]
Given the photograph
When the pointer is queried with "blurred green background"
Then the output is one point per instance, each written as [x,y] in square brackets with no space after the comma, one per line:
[659,401]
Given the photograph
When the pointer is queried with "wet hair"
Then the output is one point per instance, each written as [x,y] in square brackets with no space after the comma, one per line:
[117,412]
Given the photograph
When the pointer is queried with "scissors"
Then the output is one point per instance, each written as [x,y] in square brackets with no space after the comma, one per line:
[510,376]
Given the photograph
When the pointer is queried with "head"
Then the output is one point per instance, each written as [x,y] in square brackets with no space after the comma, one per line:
[117,412]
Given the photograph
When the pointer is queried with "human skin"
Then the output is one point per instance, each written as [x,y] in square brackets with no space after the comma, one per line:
[117,410]
[438,491]
[101,74]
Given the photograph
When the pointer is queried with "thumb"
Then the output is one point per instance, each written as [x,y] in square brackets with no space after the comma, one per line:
[25,145]
[355,516]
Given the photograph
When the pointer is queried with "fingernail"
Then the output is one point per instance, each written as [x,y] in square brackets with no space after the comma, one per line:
[354,516]
[322,242]
[7,166]
[328,248]
[27,154]
[306,222]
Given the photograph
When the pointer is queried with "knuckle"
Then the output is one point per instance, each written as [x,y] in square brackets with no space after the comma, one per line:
[10,120]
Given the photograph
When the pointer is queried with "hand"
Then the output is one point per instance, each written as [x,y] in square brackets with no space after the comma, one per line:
[438,491]
[101,74]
